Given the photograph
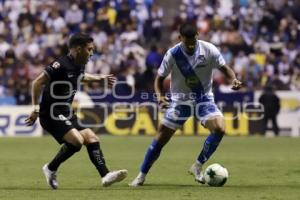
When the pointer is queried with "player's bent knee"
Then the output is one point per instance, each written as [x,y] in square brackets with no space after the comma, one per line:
[89,136]
[219,130]
[164,134]
[91,139]
[216,125]
[219,127]
[78,141]
[73,137]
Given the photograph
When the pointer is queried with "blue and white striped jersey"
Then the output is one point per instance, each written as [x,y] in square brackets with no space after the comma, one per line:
[191,74]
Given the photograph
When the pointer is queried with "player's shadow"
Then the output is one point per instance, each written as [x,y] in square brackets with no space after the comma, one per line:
[15,188]
[166,186]
[160,186]
[273,186]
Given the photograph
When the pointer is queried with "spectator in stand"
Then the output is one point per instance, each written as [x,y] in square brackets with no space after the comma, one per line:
[74,17]
[55,21]
[226,54]
[295,83]
[4,45]
[154,58]
[140,15]
[130,33]
[102,19]
[123,16]
[254,74]
[241,63]
[89,13]
[153,61]
[156,19]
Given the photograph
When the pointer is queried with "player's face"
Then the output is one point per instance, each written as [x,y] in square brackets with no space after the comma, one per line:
[86,52]
[189,43]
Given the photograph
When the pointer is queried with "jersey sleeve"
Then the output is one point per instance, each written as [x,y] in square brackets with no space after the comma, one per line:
[166,65]
[53,69]
[217,59]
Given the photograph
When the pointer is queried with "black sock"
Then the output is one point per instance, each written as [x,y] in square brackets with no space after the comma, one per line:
[66,151]
[96,156]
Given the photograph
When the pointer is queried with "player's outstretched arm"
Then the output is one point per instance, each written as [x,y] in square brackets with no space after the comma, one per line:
[110,79]
[229,74]
[158,86]
[37,86]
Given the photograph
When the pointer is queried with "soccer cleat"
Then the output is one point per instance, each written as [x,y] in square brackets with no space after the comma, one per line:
[138,181]
[196,171]
[113,177]
[50,177]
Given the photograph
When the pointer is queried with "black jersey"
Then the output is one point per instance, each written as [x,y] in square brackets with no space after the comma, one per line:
[59,93]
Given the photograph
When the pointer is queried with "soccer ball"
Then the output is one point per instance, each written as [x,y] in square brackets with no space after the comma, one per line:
[215,175]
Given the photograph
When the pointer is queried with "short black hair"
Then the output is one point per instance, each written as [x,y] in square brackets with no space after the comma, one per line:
[188,30]
[79,39]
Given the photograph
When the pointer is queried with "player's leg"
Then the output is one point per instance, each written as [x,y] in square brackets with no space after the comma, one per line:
[92,144]
[64,132]
[164,135]
[152,154]
[211,118]
[91,141]
[174,118]
[217,128]
[275,125]
[265,124]
[72,144]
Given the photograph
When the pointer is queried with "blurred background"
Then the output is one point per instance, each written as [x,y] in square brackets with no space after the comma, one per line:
[259,39]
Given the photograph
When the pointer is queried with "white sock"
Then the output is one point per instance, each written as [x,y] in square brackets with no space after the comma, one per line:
[141,175]
[198,164]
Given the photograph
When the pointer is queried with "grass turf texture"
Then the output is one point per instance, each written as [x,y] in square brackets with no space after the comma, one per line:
[259,168]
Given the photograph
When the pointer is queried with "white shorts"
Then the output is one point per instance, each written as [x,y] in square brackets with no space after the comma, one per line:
[177,114]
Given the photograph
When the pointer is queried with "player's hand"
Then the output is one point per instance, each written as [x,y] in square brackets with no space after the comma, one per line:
[164,103]
[31,118]
[236,84]
[109,79]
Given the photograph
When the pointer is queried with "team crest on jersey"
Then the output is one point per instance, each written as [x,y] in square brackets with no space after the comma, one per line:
[201,61]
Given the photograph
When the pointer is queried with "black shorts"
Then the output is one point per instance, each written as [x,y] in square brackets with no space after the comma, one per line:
[59,127]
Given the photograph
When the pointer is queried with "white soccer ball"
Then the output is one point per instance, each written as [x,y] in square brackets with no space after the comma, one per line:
[215,175]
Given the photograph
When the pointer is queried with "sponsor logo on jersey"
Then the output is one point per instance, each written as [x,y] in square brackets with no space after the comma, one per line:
[192,81]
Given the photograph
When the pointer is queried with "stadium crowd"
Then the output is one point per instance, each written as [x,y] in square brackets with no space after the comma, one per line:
[259,38]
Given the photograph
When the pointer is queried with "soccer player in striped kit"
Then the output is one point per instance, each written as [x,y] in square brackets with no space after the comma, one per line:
[190,63]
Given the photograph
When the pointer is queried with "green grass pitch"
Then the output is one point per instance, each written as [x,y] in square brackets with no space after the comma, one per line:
[259,169]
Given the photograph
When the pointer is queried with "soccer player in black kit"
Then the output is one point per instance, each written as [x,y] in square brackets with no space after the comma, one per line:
[58,84]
